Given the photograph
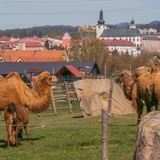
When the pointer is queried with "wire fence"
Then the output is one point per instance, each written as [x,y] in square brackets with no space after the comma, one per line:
[118,121]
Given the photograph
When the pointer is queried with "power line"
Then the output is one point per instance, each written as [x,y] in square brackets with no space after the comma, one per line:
[43,1]
[81,12]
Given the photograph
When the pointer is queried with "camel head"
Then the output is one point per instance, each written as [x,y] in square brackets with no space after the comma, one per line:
[122,76]
[12,138]
[12,109]
[45,78]
[156,65]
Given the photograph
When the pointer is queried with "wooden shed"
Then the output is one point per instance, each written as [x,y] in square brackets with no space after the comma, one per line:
[69,73]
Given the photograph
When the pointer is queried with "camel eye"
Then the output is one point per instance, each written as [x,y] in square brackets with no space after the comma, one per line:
[50,78]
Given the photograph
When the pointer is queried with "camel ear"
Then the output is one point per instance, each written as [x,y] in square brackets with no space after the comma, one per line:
[40,78]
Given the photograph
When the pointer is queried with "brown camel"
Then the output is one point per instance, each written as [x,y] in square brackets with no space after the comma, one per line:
[14,90]
[16,118]
[140,90]
[155,79]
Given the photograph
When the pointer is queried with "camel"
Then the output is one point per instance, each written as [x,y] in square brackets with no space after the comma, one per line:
[16,118]
[14,90]
[140,89]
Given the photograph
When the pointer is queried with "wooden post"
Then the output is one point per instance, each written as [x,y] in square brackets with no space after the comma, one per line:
[68,97]
[105,71]
[110,100]
[104,135]
[53,102]
[105,120]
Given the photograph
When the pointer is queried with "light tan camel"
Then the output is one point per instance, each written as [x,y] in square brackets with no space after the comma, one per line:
[14,90]
[16,118]
[140,89]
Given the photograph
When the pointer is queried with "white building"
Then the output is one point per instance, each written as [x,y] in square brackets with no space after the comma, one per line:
[122,46]
[130,34]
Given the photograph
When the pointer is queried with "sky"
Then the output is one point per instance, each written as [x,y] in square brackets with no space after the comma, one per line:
[30,13]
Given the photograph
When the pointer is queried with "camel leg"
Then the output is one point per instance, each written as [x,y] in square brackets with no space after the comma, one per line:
[27,134]
[9,134]
[140,110]
[2,115]
[148,105]
[18,131]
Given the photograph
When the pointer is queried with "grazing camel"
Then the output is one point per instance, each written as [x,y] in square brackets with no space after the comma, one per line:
[16,118]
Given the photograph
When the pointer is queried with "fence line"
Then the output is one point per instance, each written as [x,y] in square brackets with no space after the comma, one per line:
[61,122]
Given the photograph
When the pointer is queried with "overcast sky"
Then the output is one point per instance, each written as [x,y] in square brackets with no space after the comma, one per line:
[30,13]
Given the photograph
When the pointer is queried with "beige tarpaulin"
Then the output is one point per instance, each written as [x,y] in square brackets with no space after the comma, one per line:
[93,96]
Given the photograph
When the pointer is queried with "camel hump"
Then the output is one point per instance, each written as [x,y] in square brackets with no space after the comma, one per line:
[1,77]
[13,74]
[141,70]
[126,72]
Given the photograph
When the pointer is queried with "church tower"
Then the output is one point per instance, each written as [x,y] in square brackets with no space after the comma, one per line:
[101,25]
[132,25]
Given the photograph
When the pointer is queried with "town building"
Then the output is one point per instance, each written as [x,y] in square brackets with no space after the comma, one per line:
[66,41]
[121,46]
[125,34]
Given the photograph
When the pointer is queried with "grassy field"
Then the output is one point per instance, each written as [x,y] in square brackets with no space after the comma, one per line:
[72,137]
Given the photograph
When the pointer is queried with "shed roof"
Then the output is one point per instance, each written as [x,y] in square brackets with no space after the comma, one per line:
[71,69]
[74,71]
[24,67]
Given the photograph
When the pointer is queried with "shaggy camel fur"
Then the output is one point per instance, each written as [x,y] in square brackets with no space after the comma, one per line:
[16,118]
[126,80]
[155,79]
[140,90]
[1,78]
[14,90]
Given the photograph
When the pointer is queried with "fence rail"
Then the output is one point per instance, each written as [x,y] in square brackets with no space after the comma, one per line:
[63,92]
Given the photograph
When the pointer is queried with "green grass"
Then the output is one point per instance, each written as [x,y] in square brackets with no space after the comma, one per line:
[72,137]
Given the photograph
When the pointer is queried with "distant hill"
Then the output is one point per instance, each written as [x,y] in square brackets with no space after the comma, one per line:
[58,31]
[154,24]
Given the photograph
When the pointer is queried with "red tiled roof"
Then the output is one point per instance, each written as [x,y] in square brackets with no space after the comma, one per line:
[4,39]
[118,43]
[74,71]
[34,44]
[9,43]
[33,56]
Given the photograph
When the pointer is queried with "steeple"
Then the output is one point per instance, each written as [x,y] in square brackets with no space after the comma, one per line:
[132,25]
[100,27]
[101,21]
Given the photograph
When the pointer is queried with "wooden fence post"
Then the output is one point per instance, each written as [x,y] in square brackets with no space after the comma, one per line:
[53,102]
[105,120]
[68,97]
[104,135]
[110,100]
